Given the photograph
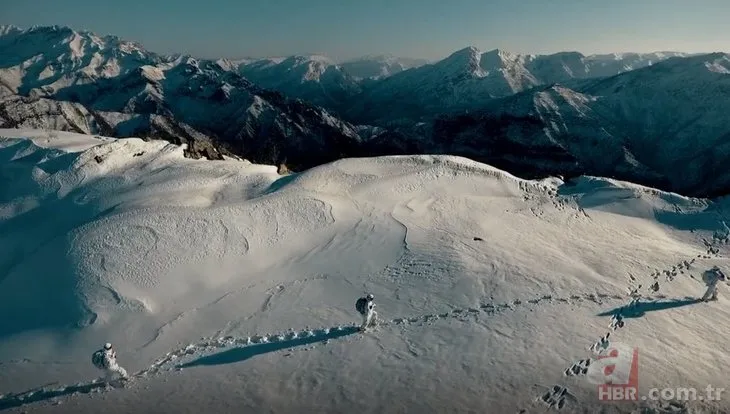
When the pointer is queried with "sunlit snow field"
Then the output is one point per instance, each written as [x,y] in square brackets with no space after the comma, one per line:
[226,287]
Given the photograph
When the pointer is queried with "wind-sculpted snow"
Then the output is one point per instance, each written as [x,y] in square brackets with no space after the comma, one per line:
[227,286]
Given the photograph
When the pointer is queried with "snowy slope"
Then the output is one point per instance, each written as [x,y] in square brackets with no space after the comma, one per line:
[489,287]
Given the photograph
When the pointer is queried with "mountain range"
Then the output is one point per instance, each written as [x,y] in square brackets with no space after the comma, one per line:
[655,119]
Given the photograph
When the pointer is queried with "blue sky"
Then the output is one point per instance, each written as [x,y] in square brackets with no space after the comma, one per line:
[412,28]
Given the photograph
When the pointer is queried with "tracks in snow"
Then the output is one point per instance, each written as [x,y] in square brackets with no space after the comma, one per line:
[555,397]
[558,395]
[287,341]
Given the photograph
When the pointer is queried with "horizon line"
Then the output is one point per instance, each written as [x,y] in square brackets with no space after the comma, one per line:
[338,61]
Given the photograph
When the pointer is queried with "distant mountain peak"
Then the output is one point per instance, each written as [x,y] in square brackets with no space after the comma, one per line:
[8,28]
[466,60]
[568,54]
[385,57]
[468,51]
[718,63]
[49,29]
[500,53]
[302,58]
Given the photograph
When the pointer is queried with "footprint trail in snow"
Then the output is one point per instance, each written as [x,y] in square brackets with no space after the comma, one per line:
[250,346]
[580,368]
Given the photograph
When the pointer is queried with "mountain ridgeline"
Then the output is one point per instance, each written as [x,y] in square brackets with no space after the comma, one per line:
[656,119]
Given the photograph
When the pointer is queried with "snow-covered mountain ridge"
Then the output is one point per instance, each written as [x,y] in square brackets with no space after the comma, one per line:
[86,57]
[43,59]
[470,78]
[317,79]
[57,78]
[465,79]
[656,119]
[663,125]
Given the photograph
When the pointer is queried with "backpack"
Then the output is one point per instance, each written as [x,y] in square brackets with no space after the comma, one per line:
[98,359]
[362,306]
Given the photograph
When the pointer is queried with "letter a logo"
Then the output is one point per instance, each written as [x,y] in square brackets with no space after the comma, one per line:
[617,367]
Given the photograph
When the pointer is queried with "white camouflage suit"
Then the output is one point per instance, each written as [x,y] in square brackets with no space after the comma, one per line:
[111,366]
[370,316]
[712,278]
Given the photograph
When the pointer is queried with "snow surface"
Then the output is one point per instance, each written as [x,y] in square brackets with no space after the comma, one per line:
[226,287]
[61,140]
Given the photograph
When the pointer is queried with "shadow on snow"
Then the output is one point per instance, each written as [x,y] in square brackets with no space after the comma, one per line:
[249,351]
[640,309]
[226,357]
[43,394]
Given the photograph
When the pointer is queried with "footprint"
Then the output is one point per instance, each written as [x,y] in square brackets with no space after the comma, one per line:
[601,344]
[555,397]
[635,290]
[578,368]
[617,321]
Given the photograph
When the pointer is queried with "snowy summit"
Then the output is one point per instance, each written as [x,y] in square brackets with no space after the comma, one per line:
[224,286]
